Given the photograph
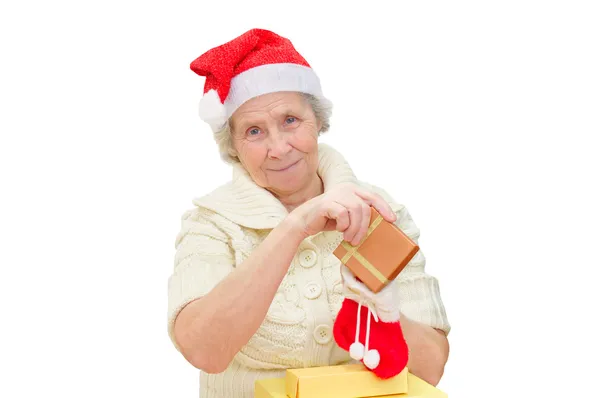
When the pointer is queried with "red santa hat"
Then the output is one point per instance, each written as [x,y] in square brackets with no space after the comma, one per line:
[255,63]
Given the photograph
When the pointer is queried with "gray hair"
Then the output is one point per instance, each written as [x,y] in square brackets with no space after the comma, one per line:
[321,107]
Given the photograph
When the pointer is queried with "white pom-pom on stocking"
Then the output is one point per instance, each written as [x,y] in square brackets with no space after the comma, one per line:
[371,359]
[357,351]
[212,111]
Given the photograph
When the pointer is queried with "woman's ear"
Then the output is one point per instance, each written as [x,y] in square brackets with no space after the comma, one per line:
[232,152]
[319,126]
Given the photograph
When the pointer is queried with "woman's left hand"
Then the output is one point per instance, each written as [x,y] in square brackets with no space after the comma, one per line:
[385,303]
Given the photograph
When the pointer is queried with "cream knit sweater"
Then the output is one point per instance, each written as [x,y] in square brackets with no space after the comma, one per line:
[221,231]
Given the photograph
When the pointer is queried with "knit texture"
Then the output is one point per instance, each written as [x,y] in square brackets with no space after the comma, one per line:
[255,47]
[256,63]
[221,231]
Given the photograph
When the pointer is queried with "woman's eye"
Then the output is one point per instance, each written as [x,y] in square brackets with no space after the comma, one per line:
[253,132]
[290,120]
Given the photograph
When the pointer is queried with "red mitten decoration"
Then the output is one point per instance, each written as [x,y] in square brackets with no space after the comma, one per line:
[379,345]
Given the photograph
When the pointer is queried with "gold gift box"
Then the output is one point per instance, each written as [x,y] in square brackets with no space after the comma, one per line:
[344,381]
[341,381]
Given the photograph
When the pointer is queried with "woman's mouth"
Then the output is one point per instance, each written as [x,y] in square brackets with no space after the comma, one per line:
[288,167]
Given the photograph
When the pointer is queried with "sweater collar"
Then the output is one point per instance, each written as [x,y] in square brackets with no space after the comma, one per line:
[244,202]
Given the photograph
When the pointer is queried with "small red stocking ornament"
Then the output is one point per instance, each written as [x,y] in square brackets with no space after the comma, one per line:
[368,327]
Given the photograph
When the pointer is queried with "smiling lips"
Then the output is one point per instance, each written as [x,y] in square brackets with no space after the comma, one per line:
[285,168]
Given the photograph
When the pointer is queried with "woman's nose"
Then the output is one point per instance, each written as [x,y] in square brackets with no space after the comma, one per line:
[279,146]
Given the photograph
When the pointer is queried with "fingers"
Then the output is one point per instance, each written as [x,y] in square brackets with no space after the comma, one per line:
[349,211]
[358,210]
[365,221]
[380,204]
[360,215]
[340,214]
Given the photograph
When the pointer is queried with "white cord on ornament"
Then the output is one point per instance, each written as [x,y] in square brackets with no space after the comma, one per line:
[368,331]
[371,358]
[357,350]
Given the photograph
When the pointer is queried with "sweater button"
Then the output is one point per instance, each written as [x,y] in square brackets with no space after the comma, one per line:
[307,258]
[312,290]
[322,334]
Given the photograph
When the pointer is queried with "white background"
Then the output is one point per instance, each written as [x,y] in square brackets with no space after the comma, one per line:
[481,117]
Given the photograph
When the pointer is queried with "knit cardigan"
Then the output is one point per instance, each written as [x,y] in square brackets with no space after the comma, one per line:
[221,231]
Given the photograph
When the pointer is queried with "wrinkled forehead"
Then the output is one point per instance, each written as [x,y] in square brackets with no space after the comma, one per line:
[272,105]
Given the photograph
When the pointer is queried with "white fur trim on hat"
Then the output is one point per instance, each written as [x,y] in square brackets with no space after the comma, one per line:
[270,78]
[212,111]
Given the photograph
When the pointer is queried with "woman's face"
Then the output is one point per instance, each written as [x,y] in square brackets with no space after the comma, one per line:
[275,138]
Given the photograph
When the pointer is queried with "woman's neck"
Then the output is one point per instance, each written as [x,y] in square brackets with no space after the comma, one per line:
[312,189]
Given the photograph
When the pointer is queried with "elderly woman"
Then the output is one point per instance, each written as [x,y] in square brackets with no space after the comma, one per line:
[255,288]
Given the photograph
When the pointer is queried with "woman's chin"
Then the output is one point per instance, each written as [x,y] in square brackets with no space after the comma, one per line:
[289,184]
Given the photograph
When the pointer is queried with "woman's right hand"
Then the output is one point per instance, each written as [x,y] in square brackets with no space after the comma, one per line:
[345,208]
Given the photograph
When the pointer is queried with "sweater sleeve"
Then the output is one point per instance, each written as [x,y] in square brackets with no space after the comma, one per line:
[203,258]
[420,296]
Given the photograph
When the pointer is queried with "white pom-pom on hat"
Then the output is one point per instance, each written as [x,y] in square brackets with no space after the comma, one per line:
[212,110]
